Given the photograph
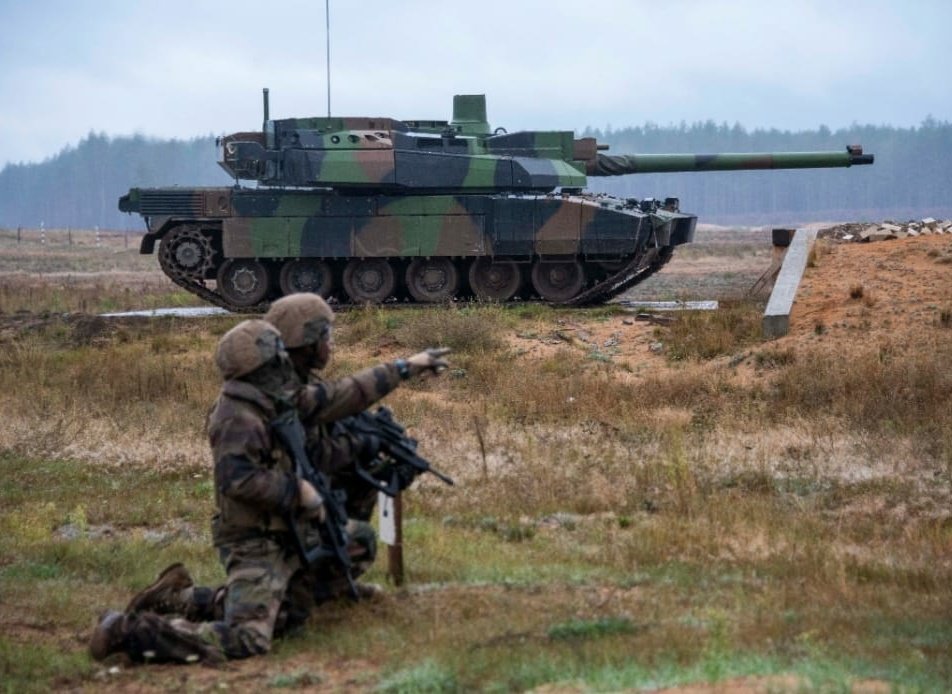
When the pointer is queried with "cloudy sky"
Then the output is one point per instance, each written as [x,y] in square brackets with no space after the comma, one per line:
[182,68]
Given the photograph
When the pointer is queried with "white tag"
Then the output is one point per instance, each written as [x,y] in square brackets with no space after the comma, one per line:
[388,528]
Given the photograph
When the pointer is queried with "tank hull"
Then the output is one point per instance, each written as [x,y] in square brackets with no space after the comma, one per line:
[241,248]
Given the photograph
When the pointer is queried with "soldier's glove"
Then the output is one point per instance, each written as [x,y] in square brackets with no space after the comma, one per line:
[428,360]
[368,446]
[310,503]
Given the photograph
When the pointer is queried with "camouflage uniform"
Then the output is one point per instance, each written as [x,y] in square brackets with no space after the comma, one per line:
[255,488]
[266,592]
[334,451]
[250,531]
[305,322]
[320,402]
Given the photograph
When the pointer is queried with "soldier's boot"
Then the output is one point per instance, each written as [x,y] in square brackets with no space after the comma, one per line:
[147,637]
[208,604]
[171,593]
[108,636]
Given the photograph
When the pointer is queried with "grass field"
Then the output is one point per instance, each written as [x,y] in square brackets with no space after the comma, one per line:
[722,514]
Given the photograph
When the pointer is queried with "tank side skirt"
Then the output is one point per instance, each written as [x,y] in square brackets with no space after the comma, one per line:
[506,227]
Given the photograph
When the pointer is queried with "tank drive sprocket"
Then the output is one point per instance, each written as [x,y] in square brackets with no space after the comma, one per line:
[186,252]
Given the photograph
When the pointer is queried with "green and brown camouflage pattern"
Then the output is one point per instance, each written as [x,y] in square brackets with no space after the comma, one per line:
[373,209]
[608,165]
[288,224]
[387,154]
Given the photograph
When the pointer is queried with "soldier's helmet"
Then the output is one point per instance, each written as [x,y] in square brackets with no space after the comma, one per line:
[302,319]
[250,344]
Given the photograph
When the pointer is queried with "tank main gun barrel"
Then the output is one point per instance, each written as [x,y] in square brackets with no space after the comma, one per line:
[620,165]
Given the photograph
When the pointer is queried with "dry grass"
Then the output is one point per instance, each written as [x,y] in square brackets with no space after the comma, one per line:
[742,509]
[81,271]
[705,335]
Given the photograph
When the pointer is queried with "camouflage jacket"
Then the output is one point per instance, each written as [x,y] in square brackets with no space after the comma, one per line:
[254,480]
[332,449]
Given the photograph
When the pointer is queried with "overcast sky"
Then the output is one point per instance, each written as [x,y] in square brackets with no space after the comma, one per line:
[183,68]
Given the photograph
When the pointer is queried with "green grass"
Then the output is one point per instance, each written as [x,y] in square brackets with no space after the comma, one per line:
[38,667]
[599,603]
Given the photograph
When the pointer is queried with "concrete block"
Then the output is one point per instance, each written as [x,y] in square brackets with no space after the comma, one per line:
[782,237]
[776,321]
[880,234]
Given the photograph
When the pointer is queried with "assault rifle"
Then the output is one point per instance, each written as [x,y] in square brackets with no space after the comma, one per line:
[290,432]
[397,462]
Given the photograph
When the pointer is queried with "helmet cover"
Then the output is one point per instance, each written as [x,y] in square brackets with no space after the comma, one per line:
[302,319]
[248,345]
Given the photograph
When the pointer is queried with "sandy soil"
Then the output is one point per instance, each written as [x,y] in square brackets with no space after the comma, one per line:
[890,290]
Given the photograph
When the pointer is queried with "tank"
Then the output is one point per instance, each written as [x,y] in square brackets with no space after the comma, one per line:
[372,210]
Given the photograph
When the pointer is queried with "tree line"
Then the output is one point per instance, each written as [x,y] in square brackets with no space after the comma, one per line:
[80,186]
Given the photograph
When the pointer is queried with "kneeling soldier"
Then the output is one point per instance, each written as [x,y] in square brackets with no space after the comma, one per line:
[255,488]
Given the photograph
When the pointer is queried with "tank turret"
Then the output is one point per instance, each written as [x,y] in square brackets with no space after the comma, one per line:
[461,155]
[388,154]
[362,209]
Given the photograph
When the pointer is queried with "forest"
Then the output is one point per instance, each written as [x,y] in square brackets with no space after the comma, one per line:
[79,187]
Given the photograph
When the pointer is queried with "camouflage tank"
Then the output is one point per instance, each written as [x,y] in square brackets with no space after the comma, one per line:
[374,209]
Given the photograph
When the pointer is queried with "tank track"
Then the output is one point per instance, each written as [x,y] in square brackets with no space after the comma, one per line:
[197,287]
[641,267]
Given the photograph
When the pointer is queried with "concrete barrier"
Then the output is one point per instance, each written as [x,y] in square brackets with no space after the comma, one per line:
[776,321]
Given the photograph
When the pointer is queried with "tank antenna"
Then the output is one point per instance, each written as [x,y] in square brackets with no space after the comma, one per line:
[327,22]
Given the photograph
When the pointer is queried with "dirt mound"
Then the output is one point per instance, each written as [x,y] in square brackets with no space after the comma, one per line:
[897,291]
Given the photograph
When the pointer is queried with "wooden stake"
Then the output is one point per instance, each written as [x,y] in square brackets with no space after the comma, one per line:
[395,551]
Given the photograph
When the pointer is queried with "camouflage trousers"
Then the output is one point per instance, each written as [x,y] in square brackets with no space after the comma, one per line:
[267,593]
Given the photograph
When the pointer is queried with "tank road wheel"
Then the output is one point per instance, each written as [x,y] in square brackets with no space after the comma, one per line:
[186,252]
[369,281]
[306,275]
[558,281]
[494,281]
[432,280]
[243,281]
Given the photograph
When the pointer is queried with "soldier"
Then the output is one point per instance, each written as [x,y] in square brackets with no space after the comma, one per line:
[255,488]
[305,322]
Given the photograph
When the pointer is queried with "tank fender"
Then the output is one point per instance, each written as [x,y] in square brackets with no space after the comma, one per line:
[157,228]
[148,244]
